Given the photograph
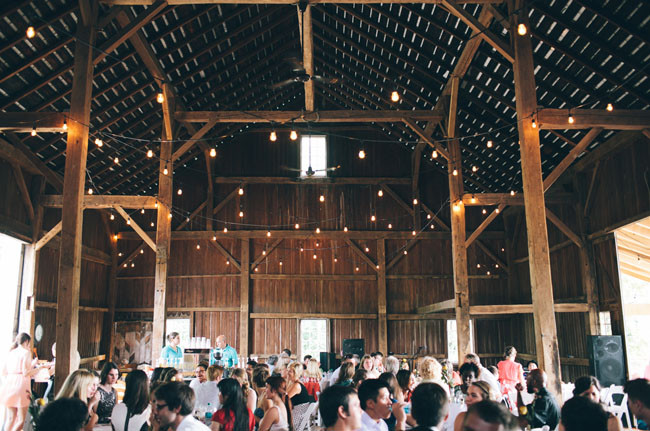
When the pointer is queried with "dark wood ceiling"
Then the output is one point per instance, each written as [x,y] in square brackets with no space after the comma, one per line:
[224,57]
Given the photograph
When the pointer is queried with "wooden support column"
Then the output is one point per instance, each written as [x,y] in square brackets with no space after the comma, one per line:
[163,231]
[381,297]
[531,167]
[67,316]
[244,290]
[459,249]
[107,340]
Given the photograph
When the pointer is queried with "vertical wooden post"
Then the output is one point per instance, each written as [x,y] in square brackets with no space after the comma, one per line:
[244,289]
[210,191]
[459,250]
[382,321]
[111,298]
[163,228]
[67,316]
[531,167]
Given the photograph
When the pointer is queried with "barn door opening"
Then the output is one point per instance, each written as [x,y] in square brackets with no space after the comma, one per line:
[11,263]
[633,249]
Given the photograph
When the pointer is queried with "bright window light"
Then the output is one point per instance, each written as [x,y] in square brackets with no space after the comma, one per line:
[313,152]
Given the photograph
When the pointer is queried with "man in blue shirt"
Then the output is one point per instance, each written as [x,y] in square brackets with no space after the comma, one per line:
[228,353]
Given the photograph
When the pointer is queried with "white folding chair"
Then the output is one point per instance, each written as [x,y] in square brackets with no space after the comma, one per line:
[619,409]
[302,416]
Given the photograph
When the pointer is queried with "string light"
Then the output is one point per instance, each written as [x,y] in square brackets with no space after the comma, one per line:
[496,266]
[90,191]
[273,136]
[521,29]
[241,214]
[263,252]
[268,233]
[428,216]
[317,230]
[65,125]
[34,131]
[225,229]
[356,268]
[152,224]
[489,144]
[315,257]
[484,211]
[241,191]
[227,261]
[321,198]
[610,107]
[160,98]
[456,207]
[336,259]
[406,252]
[533,124]
[390,225]
[156,204]
[128,221]
[116,160]
[434,154]
[512,192]
[431,226]
[488,273]
[214,237]
[165,171]
[297,226]
[373,218]
[478,265]
[179,192]
[317,244]
[394,96]
[571,119]
[132,265]
[255,269]
[30,32]
[302,249]
[474,168]
[362,154]
[280,263]
[142,251]
[142,211]
[414,233]
[455,172]
[367,250]
[169,215]
[115,237]
[345,229]
[415,201]
[497,210]
[112,217]
[293,135]
[119,254]
[380,193]
[213,152]
[98,142]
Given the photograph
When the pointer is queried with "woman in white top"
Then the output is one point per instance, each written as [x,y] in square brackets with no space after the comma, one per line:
[278,416]
[132,414]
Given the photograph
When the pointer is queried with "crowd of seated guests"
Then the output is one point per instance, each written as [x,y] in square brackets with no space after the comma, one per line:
[267,401]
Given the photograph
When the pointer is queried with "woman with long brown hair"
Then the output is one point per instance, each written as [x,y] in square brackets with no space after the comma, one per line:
[278,416]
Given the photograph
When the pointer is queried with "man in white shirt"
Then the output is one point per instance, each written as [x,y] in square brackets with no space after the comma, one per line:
[429,406]
[374,396]
[484,374]
[340,409]
[172,405]
[204,391]
[335,375]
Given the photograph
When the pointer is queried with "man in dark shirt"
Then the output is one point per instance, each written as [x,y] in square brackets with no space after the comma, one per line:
[544,410]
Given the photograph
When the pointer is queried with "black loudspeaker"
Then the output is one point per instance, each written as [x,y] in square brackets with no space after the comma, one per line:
[606,359]
[355,346]
[328,361]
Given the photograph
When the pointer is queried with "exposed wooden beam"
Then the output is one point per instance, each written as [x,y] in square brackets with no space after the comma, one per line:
[486,222]
[225,200]
[194,139]
[104,201]
[569,158]
[313,180]
[477,310]
[619,119]
[48,236]
[553,249]
[126,32]
[382,321]
[24,193]
[355,248]
[22,155]
[267,252]
[491,255]
[226,254]
[590,190]
[341,116]
[484,33]
[244,298]
[409,121]
[146,238]
[435,218]
[69,282]
[611,146]
[395,260]
[449,304]
[307,40]
[191,217]
[397,198]
[488,199]
[25,122]
[566,230]
[314,277]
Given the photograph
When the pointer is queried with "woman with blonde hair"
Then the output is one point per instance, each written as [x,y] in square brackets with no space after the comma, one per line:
[431,372]
[312,377]
[16,389]
[346,374]
[296,391]
[82,385]
[368,364]
[476,392]
[250,396]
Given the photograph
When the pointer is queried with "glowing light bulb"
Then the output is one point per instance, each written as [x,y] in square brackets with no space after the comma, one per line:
[179,192]
[98,142]
[362,154]
[169,215]
[533,124]
[345,229]
[33,131]
[406,252]
[521,29]
[394,96]
[380,193]
[241,191]
[213,153]
[302,249]
[497,210]
[263,252]
[390,225]
[373,218]
[367,250]
[280,263]
[474,168]
[414,233]
[484,211]
[297,226]
[293,135]
[116,160]
[415,201]
[432,226]
[149,153]
[273,137]
[356,269]
[142,211]
[314,256]
[488,273]
[268,233]
[455,172]
[115,237]
[30,32]
[160,98]
[128,221]
[472,199]
[256,269]
[512,192]
[225,230]
[317,230]
[165,171]
[112,217]
[456,207]
[428,216]
[317,244]
[156,204]
[119,254]
[610,107]
[227,261]
[321,198]
[214,237]
[489,144]
[336,259]
[152,224]
[241,213]
[434,155]
[90,191]
[65,125]
[570,119]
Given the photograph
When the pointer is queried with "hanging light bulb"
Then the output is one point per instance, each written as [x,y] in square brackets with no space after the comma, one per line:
[321,198]
[406,252]
[380,193]
[314,256]
[362,154]
[241,191]
[317,244]
[610,107]
[455,172]
[156,204]
[415,201]
[474,168]
[119,254]
[497,210]
[456,207]
[142,211]
[478,265]
[273,137]
[263,252]
[214,237]
[432,226]
[112,217]
[169,215]
[90,191]
[570,119]
[428,216]
[160,98]
[98,142]
[213,152]
[473,199]
[149,153]
[484,211]
[302,249]
[293,135]
[225,229]
[268,233]
[296,226]
[345,229]
[414,233]
[489,144]
[280,263]
[533,124]
[65,125]
[30,32]
[512,192]
[241,213]
[390,225]
[152,224]
[434,155]
[356,268]
[128,221]
[317,230]
[521,29]
[34,131]
[394,96]
[227,261]
[367,250]
[179,192]
[116,160]
[115,237]
[336,259]
[373,218]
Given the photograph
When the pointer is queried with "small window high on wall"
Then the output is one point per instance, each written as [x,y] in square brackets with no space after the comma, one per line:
[313,156]
[313,337]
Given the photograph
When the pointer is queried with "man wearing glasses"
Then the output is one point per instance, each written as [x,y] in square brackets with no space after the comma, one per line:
[172,408]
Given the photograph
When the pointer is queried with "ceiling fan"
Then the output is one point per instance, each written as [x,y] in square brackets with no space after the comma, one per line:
[298,71]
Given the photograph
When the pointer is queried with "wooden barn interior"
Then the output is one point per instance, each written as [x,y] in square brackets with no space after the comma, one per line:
[136,164]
